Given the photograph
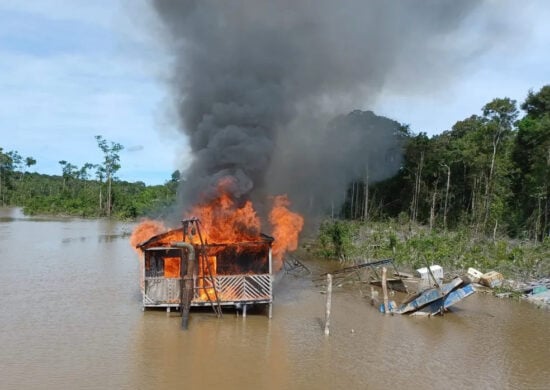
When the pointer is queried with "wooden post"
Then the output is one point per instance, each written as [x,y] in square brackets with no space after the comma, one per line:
[385,291]
[329,300]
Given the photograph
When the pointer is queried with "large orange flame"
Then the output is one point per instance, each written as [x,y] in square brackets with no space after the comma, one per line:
[287,226]
[224,221]
[145,230]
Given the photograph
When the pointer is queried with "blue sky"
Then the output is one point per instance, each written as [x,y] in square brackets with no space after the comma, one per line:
[73,70]
[70,70]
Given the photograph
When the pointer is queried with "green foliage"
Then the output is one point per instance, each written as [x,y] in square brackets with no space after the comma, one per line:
[454,251]
[336,239]
[110,166]
[531,157]
[478,185]
[490,173]
[75,193]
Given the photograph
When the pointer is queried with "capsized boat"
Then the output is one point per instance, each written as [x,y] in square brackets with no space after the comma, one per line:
[434,300]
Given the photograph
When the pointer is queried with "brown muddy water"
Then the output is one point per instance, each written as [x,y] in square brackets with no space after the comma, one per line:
[71,318]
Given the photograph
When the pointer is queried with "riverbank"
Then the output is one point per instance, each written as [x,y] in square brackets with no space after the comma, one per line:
[524,265]
[417,246]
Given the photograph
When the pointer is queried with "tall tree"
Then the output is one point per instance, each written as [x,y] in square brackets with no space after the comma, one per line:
[69,172]
[29,162]
[467,154]
[531,156]
[111,164]
[6,166]
[100,174]
[500,115]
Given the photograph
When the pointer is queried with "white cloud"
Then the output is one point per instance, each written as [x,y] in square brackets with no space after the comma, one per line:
[54,101]
[515,59]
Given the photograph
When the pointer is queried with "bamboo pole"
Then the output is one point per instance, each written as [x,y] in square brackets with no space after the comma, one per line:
[385,291]
[329,301]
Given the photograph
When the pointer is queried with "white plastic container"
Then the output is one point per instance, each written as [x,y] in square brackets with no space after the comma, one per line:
[426,280]
[474,275]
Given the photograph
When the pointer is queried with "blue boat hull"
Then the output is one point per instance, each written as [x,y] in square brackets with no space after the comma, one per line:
[435,300]
[453,297]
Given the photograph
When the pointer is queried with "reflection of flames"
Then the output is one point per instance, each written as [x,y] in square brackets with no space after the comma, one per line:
[223,221]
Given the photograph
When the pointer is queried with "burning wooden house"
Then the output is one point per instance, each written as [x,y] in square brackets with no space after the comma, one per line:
[180,270]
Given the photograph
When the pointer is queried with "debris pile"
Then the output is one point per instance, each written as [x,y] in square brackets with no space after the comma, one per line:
[535,291]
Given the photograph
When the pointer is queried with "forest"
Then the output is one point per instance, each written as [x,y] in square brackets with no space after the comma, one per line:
[90,191]
[476,195]
[489,174]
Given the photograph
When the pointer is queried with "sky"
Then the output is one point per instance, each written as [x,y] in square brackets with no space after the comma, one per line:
[73,70]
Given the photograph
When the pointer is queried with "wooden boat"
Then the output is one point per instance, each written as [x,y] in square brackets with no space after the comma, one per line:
[450,299]
[434,300]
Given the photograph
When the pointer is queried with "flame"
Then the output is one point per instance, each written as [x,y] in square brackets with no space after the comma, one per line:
[224,222]
[287,226]
[204,291]
[145,230]
[171,267]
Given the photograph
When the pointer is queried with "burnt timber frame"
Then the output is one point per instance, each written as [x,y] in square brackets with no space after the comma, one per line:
[231,290]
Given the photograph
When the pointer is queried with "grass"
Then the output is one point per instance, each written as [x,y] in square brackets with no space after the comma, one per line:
[416,246]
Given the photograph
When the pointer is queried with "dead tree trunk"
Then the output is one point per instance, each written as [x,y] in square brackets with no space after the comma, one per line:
[446,196]
[416,195]
[366,202]
[432,208]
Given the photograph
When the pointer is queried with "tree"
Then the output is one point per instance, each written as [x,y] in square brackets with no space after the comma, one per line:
[69,172]
[100,174]
[537,104]
[468,157]
[6,166]
[501,115]
[83,172]
[29,162]
[111,164]
[17,162]
[531,157]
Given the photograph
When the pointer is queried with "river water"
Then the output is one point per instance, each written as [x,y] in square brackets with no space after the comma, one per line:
[71,318]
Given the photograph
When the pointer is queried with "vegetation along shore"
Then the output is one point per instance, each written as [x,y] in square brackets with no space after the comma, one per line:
[476,195]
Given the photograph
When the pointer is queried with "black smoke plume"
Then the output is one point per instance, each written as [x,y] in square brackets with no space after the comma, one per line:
[255,83]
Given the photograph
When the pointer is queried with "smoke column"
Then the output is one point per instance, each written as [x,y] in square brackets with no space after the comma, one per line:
[255,81]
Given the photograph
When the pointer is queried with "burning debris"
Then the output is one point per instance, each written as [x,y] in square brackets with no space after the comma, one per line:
[226,261]
[182,270]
